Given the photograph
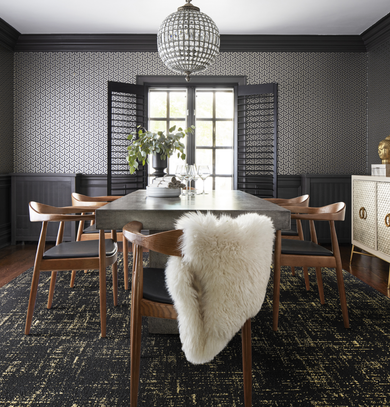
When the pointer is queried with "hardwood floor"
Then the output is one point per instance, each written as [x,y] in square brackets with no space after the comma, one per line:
[14,260]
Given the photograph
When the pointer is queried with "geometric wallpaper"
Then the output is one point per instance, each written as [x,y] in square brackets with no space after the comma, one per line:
[379,98]
[60,106]
[6,111]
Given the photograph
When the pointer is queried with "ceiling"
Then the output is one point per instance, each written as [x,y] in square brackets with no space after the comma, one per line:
[284,17]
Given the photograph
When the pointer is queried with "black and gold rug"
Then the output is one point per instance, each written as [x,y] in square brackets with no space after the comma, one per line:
[311,361]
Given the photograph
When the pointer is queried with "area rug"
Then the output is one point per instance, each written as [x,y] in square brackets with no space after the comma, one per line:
[312,360]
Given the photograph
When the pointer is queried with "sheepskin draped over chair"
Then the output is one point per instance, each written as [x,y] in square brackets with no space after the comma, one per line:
[220,280]
[215,282]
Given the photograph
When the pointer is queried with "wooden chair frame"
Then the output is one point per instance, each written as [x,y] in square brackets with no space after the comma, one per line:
[45,214]
[302,200]
[331,213]
[165,243]
[98,201]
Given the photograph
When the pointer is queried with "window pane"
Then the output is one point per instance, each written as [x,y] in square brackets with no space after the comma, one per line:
[157,104]
[204,133]
[204,157]
[224,162]
[157,125]
[224,134]
[178,124]
[204,104]
[177,104]
[224,184]
[224,105]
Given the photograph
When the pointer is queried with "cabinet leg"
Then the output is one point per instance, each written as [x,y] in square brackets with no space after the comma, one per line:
[352,251]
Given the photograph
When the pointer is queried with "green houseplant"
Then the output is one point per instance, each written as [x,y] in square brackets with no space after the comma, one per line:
[145,142]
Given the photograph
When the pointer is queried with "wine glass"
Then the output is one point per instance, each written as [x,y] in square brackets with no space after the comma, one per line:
[191,171]
[203,172]
[179,173]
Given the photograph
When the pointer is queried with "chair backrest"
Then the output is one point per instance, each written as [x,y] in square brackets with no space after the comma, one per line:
[163,242]
[302,200]
[332,212]
[84,200]
[46,213]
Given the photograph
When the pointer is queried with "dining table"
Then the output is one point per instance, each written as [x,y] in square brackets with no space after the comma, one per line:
[159,214]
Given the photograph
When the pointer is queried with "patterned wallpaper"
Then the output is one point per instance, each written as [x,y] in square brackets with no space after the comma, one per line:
[61,107]
[6,111]
[379,98]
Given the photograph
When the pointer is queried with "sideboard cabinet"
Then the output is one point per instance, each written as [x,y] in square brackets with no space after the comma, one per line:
[371,215]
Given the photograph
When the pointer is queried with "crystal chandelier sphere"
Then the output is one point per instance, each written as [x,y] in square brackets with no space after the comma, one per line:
[188,41]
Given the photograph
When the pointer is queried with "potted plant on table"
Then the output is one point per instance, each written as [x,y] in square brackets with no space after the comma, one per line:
[162,146]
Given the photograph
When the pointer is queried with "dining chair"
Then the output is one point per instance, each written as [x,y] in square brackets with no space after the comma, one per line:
[153,296]
[297,233]
[310,254]
[91,233]
[94,254]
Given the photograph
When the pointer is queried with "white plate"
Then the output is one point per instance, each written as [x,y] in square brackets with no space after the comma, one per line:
[162,192]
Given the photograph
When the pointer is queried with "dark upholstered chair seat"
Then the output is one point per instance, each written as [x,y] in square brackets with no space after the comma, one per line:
[289,232]
[154,286]
[89,248]
[304,248]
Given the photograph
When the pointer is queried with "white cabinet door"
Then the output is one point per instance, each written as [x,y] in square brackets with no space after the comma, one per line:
[364,213]
[383,210]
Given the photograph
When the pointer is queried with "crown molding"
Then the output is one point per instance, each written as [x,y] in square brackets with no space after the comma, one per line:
[148,43]
[8,35]
[87,43]
[292,43]
[377,33]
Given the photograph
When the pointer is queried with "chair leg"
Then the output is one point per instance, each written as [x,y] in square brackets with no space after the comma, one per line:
[32,299]
[293,271]
[277,254]
[343,298]
[115,283]
[320,285]
[102,283]
[51,289]
[125,246]
[72,279]
[247,362]
[306,275]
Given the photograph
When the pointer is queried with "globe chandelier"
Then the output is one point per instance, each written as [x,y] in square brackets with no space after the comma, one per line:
[188,40]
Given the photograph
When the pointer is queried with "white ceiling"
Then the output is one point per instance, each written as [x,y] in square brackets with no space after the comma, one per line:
[332,17]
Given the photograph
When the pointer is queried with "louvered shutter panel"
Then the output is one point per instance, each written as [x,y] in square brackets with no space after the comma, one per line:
[257,139]
[126,107]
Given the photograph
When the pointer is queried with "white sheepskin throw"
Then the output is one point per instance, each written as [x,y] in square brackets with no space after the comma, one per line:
[221,279]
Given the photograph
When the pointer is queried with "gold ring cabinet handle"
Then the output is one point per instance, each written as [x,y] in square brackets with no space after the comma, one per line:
[363,213]
[387,220]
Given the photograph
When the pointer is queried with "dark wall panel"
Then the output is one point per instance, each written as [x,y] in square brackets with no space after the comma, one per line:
[5,210]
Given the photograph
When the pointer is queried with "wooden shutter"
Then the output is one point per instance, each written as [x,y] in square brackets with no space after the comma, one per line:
[126,107]
[257,108]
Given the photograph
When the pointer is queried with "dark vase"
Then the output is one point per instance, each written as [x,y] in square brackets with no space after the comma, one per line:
[159,165]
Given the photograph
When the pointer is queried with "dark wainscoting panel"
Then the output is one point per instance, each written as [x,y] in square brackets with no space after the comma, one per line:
[289,186]
[50,189]
[5,210]
[56,189]
[91,185]
[324,190]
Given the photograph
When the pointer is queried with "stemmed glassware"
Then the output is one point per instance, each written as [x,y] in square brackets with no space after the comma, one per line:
[180,174]
[203,172]
[191,171]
